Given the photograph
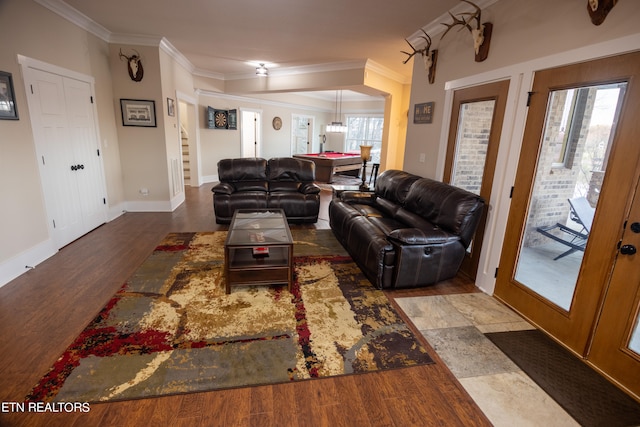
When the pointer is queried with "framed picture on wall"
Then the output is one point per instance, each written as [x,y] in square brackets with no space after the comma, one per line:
[138,112]
[171,107]
[8,110]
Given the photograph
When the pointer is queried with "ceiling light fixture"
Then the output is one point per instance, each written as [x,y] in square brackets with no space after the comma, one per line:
[337,126]
[262,70]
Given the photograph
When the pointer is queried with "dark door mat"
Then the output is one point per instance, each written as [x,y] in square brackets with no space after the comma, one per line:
[587,396]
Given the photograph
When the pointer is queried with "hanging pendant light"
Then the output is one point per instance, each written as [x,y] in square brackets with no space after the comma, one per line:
[337,125]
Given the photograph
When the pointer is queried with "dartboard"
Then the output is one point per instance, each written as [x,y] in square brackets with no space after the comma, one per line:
[220,119]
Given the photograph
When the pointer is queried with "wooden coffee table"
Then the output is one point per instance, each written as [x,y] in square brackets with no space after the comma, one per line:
[258,249]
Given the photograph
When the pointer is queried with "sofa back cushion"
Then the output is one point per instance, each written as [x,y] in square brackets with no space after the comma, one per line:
[291,169]
[451,208]
[245,174]
[288,173]
[393,185]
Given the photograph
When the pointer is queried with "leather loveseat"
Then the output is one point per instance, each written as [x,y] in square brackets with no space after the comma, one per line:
[255,183]
[409,232]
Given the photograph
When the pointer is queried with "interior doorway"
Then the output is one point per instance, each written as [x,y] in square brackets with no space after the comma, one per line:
[251,133]
[568,262]
[301,134]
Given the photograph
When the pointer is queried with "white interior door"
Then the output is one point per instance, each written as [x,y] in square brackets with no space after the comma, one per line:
[86,153]
[64,128]
[251,125]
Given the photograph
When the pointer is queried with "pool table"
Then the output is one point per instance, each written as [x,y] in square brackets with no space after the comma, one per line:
[331,162]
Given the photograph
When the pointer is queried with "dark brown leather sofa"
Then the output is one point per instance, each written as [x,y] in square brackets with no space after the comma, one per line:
[409,232]
[255,183]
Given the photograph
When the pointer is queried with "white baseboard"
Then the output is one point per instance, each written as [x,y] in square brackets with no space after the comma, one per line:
[177,201]
[21,263]
[209,178]
[115,211]
[150,206]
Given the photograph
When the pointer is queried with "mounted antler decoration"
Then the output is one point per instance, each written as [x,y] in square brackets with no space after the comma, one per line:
[599,9]
[429,56]
[134,65]
[481,33]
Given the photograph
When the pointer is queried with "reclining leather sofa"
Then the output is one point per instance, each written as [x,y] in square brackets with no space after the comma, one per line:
[409,232]
[255,183]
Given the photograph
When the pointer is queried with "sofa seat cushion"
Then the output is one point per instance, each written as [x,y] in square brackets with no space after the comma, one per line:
[245,186]
[295,205]
[290,186]
[226,204]
[368,246]
[368,211]
[387,225]
[421,236]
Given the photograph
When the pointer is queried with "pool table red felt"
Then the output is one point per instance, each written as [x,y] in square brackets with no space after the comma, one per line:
[330,163]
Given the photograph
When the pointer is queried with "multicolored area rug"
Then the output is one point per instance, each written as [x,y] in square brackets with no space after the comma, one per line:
[172,329]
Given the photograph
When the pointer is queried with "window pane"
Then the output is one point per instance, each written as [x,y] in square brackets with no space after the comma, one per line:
[365,130]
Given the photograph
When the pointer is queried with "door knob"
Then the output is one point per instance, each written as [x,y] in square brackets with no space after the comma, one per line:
[627,249]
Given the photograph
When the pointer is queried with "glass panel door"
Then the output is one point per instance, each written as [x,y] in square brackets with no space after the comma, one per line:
[572,161]
[474,137]
[474,128]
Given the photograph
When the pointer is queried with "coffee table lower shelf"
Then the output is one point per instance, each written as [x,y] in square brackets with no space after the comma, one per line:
[243,268]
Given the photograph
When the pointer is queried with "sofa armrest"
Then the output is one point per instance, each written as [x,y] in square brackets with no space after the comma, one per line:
[417,236]
[310,188]
[223,188]
[360,197]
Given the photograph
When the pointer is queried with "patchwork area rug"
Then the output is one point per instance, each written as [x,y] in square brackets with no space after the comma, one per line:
[581,391]
[172,329]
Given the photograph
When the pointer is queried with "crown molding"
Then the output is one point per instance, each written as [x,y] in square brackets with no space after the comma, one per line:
[171,50]
[261,101]
[81,20]
[76,17]
[303,69]
[385,72]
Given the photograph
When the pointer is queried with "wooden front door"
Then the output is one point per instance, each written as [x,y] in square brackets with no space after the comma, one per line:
[573,205]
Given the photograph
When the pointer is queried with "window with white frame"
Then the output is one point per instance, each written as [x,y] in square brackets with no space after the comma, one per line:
[365,130]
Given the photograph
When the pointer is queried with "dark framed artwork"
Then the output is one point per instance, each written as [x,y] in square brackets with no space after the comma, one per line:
[423,113]
[171,107]
[8,109]
[138,112]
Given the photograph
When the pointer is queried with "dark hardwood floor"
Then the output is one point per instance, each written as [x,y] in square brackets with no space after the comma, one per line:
[43,310]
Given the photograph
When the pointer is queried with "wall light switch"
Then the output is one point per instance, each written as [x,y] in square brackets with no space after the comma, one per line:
[423,157]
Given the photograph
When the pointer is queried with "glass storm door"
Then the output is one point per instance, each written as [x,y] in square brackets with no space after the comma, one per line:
[567,256]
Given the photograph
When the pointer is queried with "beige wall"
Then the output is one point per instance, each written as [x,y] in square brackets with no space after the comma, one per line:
[523,30]
[30,30]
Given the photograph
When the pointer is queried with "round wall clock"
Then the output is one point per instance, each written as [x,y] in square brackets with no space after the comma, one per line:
[277,123]
[220,119]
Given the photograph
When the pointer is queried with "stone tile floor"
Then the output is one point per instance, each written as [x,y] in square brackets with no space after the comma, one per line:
[455,325]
